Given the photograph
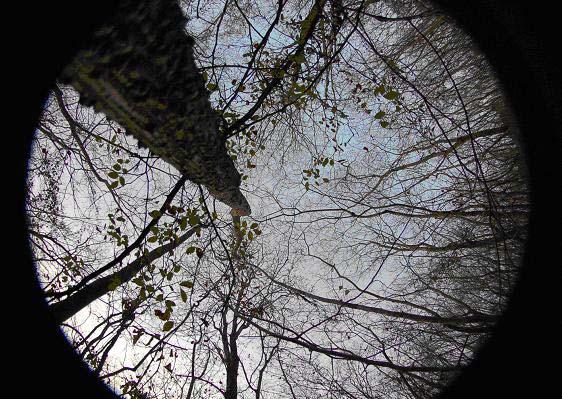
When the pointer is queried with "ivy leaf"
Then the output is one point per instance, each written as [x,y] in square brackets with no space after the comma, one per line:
[155,214]
[391,95]
[187,284]
[306,24]
[168,326]
[193,219]
[116,282]
[138,281]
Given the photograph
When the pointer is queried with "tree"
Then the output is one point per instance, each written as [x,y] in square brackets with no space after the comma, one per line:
[388,198]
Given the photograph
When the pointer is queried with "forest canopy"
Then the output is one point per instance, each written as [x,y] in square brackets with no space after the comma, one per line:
[389,206]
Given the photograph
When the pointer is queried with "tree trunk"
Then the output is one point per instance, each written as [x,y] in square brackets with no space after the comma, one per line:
[139,69]
[232,364]
[70,306]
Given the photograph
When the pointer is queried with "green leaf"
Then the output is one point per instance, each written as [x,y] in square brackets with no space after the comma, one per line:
[190,250]
[306,24]
[193,219]
[391,95]
[117,166]
[114,185]
[297,58]
[384,124]
[155,214]
[187,284]
[138,281]
[380,114]
[152,239]
[183,295]
[183,223]
[113,174]
[212,86]
[254,226]
[169,303]
[168,326]
[122,181]
[116,282]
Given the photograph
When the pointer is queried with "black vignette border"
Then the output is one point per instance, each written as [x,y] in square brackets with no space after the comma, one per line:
[520,40]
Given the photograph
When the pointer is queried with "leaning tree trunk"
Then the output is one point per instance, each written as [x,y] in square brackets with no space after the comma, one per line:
[139,70]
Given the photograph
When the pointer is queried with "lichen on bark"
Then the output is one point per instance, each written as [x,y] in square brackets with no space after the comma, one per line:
[139,69]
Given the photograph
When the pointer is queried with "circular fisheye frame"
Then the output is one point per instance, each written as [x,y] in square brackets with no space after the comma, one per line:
[278,199]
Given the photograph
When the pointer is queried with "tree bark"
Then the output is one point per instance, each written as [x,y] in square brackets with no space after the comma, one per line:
[139,69]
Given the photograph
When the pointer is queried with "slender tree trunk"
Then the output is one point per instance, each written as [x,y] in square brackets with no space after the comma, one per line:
[68,307]
[232,365]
